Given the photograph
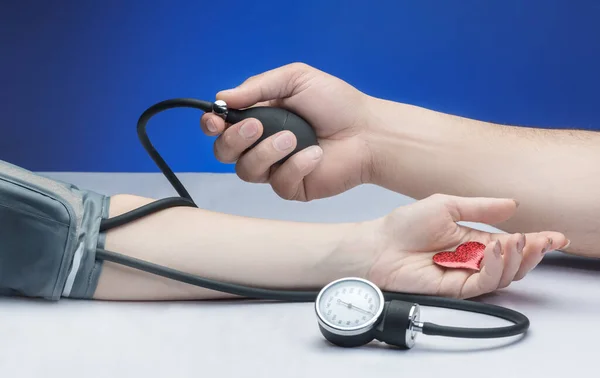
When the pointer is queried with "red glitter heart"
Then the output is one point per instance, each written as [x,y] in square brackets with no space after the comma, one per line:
[466,256]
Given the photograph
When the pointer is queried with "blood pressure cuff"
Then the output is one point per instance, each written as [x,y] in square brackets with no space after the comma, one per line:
[49,232]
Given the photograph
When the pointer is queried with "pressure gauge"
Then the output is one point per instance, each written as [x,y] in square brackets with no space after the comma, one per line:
[348,310]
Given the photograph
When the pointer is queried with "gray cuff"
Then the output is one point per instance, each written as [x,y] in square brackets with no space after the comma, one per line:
[49,232]
[85,270]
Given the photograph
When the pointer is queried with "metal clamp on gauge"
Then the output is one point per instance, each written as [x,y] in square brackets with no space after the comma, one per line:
[352,312]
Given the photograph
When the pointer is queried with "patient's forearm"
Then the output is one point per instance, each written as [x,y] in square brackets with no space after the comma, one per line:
[554,174]
[255,252]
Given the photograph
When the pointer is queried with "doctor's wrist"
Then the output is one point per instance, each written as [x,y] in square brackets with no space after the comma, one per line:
[413,149]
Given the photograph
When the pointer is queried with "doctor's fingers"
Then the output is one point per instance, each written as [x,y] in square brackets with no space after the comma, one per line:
[236,139]
[213,125]
[255,165]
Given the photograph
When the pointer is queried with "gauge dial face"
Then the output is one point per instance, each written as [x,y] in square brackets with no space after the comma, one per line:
[349,303]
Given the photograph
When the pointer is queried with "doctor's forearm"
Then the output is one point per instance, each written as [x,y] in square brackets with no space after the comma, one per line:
[255,252]
[554,174]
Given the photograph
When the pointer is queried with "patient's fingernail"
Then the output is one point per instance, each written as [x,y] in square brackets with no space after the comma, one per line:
[497,249]
[521,243]
[517,203]
[548,246]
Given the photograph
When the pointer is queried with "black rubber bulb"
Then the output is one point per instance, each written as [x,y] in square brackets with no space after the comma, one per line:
[275,120]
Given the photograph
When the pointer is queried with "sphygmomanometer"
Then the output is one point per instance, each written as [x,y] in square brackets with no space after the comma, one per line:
[52,246]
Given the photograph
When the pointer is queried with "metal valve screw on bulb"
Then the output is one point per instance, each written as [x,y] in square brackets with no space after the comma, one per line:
[220,108]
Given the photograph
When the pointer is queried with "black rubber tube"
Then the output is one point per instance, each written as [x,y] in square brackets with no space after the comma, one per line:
[240,290]
[151,208]
[521,322]
[205,106]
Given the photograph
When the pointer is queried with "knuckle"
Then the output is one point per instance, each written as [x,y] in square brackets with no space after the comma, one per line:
[484,287]
[284,189]
[249,171]
[262,155]
[288,188]
[249,80]
[221,151]
[243,173]
[228,140]
[282,192]
[504,285]
[293,168]
[458,292]
[296,168]
[217,151]
[299,66]
[229,145]
[437,197]
[288,193]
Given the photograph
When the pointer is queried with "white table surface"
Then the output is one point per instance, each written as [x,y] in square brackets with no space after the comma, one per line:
[209,339]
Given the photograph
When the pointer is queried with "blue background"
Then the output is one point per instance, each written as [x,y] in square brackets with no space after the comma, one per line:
[75,75]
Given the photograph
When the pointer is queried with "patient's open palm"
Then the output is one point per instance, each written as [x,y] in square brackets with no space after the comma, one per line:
[412,234]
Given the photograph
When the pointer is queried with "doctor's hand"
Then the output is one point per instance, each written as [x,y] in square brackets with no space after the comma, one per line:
[336,110]
[406,240]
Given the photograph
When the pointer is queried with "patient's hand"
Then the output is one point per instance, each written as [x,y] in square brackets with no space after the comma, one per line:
[408,238]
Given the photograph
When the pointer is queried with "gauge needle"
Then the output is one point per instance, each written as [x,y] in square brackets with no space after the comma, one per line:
[351,306]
